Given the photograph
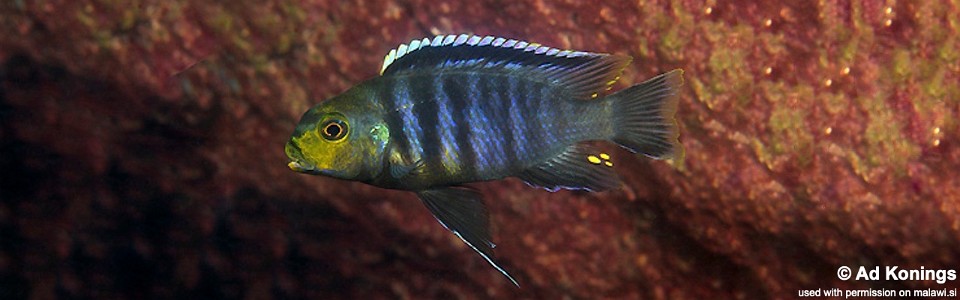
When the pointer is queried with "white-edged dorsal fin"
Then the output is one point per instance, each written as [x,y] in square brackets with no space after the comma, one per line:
[586,74]
[476,41]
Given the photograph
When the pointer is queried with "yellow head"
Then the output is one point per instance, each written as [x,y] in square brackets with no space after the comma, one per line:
[342,137]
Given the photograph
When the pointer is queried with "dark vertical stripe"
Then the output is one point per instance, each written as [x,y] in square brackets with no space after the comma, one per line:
[483,143]
[450,153]
[392,118]
[426,112]
[551,128]
[485,129]
[453,88]
[535,117]
[500,94]
[517,112]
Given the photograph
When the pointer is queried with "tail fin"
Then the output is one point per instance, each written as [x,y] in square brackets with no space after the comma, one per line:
[643,116]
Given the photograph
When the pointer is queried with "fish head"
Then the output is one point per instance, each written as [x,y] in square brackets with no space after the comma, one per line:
[339,138]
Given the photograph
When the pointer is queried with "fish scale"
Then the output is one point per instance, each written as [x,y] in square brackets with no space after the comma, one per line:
[500,97]
[458,109]
[450,159]
[407,106]
[516,121]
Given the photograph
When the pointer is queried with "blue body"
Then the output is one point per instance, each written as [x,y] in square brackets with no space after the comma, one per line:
[476,126]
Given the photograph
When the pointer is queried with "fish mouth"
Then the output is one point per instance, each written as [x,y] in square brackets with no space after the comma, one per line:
[300,167]
[297,163]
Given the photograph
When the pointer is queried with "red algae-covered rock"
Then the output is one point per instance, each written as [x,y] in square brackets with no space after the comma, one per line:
[142,143]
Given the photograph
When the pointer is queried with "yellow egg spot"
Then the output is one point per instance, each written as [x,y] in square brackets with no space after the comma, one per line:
[768,22]
[888,11]
[768,70]
[593,159]
[828,82]
[594,95]
[888,22]
[936,142]
[936,130]
[828,131]
[608,163]
[604,156]
[708,10]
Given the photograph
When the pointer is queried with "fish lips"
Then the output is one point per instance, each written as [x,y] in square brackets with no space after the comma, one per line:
[298,167]
[297,163]
[301,167]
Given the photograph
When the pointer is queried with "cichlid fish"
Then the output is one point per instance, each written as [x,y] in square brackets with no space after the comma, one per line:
[457,109]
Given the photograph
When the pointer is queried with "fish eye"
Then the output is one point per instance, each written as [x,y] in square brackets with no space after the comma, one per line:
[333,130]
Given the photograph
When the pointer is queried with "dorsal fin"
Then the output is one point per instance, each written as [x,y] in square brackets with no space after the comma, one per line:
[585,74]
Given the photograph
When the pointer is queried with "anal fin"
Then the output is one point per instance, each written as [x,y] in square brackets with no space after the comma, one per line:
[461,210]
[579,167]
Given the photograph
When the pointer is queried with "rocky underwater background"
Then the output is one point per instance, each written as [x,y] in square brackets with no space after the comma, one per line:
[141,151]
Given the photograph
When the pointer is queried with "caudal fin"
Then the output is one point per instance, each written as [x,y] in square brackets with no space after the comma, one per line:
[643,116]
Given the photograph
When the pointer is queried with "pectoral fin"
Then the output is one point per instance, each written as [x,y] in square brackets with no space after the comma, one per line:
[400,168]
[461,210]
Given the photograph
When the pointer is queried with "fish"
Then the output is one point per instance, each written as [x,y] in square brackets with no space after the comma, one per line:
[457,109]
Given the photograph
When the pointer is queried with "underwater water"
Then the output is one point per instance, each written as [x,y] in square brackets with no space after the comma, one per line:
[141,149]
